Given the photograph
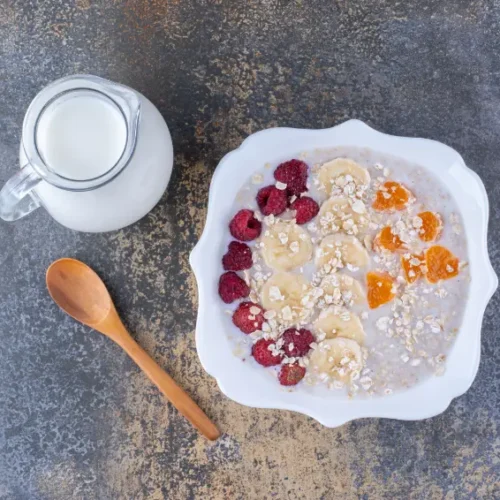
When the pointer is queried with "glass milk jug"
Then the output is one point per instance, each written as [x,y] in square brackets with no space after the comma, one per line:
[96,155]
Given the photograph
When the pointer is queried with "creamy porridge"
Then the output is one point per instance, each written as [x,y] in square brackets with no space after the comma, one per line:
[350,271]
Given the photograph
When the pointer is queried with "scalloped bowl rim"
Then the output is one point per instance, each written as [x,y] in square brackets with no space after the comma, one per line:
[426,399]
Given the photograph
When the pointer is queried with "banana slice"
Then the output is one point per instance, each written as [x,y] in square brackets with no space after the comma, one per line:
[338,322]
[342,214]
[336,172]
[343,249]
[286,246]
[343,290]
[339,358]
[289,295]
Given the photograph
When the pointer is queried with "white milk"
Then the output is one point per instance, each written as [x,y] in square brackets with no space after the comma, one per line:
[81,136]
[132,193]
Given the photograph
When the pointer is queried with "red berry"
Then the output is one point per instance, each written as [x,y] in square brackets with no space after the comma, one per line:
[291,374]
[306,209]
[297,343]
[244,226]
[246,320]
[238,257]
[293,173]
[232,287]
[263,355]
[272,200]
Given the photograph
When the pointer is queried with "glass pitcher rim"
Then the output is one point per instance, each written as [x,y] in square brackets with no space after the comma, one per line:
[125,99]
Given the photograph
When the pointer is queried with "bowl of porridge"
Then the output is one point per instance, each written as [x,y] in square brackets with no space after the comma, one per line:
[343,273]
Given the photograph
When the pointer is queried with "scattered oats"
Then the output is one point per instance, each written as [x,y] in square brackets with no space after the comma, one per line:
[286,313]
[283,237]
[359,207]
[364,315]
[383,323]
[294,246]
[440,371]
[275,294]
[246,276]
[405,358]
[387,172]
[345,316]
[312,227]
[348,224]
[457,229]
[379,166]
[387,391]
[367,241]
[415,362]
[417,222]
[257,179]
[254,310]
[269,220]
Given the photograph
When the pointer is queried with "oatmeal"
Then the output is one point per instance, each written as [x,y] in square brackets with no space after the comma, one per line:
[350,271]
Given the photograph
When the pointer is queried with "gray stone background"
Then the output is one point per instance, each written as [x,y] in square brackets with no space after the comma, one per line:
[77,418]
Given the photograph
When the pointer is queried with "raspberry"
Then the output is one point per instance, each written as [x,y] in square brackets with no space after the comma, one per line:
[263,355]
[272,200]
[293,173]
[232,287]
[297,343]
[291,374]
[244,226]
[306,209]
[238,257]
[246,319]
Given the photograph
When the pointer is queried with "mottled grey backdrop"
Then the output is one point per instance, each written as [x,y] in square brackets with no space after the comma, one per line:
[77,419]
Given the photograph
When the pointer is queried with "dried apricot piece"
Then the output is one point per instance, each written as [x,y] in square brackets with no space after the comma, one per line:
[392,196]
[431,227]
[441,264]
[387,240]
[411,265]
[380,289]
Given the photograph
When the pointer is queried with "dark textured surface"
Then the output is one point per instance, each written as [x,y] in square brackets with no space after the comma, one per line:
[77,419]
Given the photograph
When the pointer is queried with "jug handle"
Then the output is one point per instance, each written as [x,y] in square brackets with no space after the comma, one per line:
[15,198]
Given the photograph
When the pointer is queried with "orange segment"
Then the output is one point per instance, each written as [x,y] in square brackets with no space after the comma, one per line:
[441,264]
[388,240]
[431,226]
[412,266]
[392,196]
[380,289]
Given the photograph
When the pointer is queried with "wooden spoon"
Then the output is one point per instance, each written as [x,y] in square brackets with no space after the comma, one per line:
[78,291]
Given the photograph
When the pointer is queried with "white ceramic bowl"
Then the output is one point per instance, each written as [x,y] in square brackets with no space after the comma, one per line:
[246,382]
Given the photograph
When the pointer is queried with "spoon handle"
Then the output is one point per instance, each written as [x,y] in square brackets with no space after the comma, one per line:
[167,386]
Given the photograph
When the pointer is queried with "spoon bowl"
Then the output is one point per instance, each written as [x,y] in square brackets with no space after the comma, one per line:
[79,292]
